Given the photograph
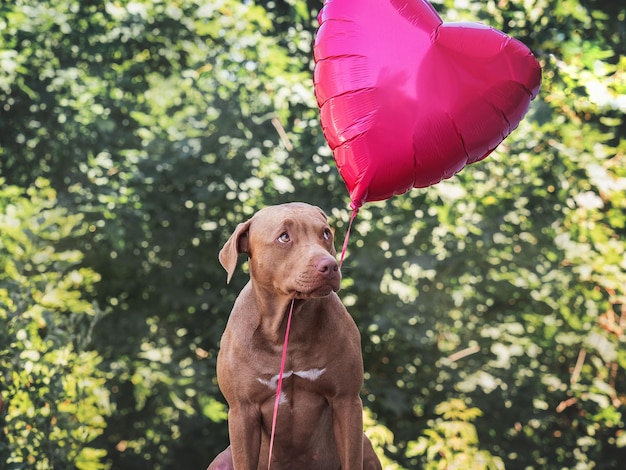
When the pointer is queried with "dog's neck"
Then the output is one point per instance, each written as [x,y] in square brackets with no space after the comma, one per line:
[273,313]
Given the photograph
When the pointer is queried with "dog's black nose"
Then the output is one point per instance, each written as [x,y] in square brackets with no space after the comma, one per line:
[327,266]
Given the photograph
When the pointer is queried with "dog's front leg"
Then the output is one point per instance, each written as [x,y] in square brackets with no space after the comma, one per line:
[244,428]
[348,430]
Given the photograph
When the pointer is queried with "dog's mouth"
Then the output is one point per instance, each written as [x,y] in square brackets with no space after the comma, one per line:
[322,291]
[318,290]
[311,283]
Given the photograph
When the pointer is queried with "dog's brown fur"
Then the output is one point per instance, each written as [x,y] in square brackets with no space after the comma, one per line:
[320,421]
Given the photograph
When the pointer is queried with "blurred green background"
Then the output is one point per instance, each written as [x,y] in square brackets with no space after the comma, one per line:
[135,135]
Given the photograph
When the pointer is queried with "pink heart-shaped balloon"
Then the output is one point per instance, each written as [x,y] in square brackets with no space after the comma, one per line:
[406,100]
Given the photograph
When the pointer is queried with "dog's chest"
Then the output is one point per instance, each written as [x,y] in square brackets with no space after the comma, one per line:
[293,382]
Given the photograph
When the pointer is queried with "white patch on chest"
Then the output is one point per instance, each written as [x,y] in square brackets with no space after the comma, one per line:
[311,374]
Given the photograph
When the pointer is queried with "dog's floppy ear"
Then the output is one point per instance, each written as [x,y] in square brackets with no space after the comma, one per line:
[237,243]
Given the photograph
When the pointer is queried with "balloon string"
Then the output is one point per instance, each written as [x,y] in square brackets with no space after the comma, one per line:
[355,211]
[280,383]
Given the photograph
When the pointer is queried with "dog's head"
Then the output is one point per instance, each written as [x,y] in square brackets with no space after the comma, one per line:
[290,248]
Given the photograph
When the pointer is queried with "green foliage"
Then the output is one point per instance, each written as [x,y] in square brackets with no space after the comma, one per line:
[162,125]
[54,396]
[381,438]
[451,440]
[169,127]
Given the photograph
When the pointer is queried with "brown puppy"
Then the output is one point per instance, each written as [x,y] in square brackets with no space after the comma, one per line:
[320,418]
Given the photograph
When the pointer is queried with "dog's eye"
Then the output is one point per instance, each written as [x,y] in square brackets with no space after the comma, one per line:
[328,234]
[284,237]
